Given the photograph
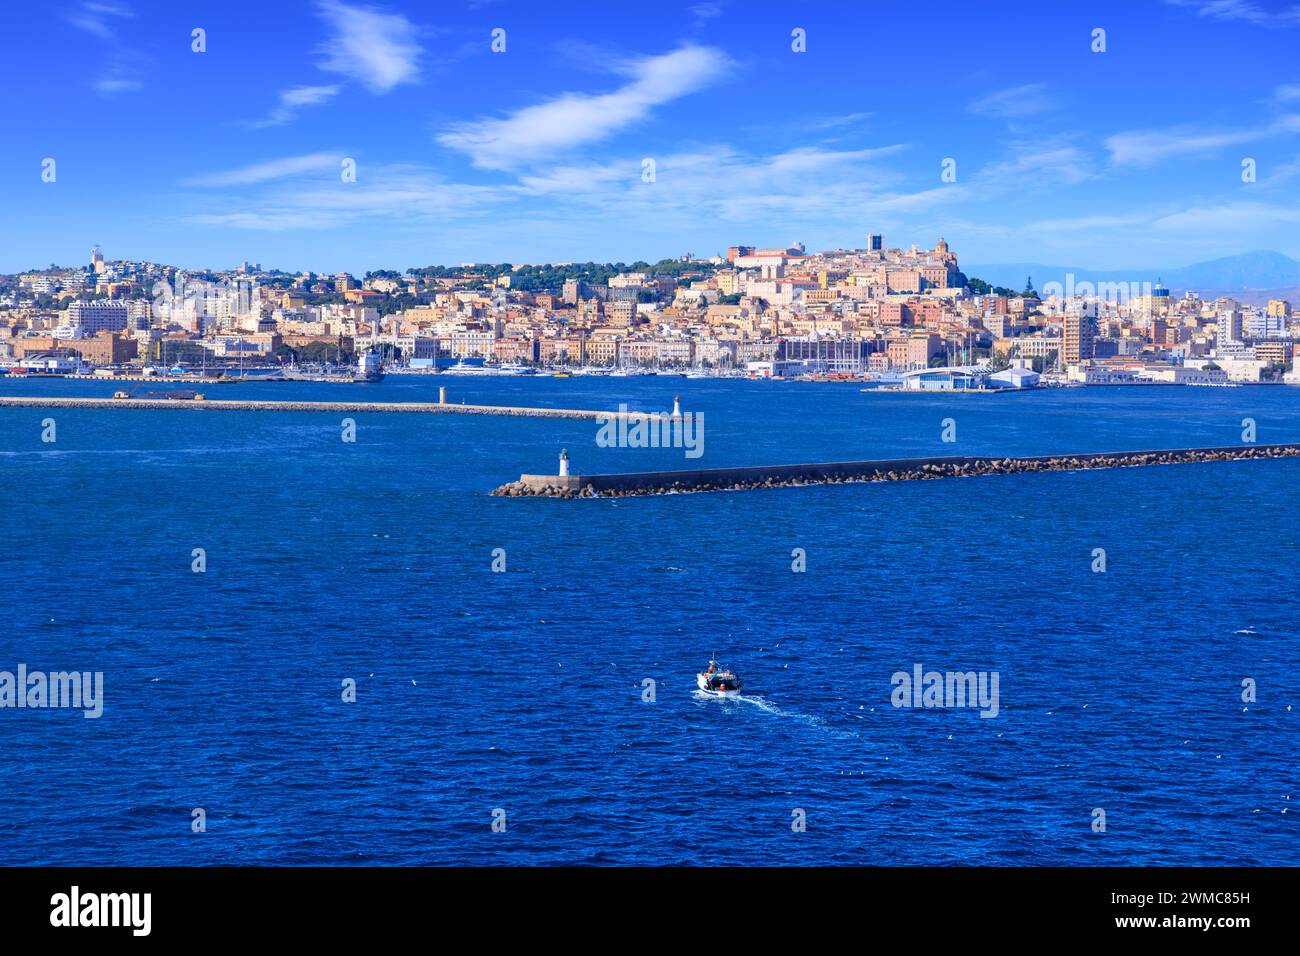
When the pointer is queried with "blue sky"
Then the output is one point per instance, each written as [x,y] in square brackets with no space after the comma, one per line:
[1131,157]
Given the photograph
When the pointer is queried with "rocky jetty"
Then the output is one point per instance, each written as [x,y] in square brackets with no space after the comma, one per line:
[917,469]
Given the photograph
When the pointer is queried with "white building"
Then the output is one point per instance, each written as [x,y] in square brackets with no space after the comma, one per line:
[1015,377]
[89,318]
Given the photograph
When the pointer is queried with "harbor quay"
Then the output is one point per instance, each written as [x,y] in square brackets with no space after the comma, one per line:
[198,403]
[566,485]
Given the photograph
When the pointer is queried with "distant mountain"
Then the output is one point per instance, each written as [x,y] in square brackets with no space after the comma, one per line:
[1258,272]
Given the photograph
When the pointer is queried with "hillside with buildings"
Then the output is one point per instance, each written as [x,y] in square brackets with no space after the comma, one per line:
[879,311]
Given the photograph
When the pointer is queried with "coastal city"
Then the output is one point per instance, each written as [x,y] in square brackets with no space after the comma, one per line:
[490,456]
[886,316]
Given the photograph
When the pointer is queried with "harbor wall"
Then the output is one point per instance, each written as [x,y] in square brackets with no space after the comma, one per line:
[409,408]
[893,469]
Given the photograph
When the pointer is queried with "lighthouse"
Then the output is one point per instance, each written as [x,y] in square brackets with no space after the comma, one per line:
[677,406]
[564,463]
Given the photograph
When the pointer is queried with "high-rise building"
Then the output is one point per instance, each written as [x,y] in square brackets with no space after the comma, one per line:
[1160,299]
[97,260]
[1078,333]
[875,243]
[1229,323]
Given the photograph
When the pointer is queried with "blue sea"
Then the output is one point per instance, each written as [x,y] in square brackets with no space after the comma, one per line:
[520,695]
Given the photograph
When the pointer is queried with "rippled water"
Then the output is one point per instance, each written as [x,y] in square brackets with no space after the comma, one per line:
[523,690]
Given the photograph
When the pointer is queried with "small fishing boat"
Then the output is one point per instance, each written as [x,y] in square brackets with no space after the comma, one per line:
[719,681]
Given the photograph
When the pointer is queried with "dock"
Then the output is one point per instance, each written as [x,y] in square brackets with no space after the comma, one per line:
[839,472]
[336,407]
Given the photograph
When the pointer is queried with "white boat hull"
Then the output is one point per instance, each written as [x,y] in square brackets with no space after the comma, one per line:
[702,683]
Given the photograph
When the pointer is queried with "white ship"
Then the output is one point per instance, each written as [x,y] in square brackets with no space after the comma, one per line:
[370,367]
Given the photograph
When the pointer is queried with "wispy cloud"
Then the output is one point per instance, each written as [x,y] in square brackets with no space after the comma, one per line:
[835,122]
[1041,163]
[270,170]
[396,194]
[797,188]
[96,17]
[1149,147]
[1244,217]
[116,82]
[1247,11]
[376,48]
[576,119]
[294,99]
[1014,103]
[705,11]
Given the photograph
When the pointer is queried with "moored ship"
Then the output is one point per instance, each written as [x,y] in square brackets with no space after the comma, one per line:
[370,367]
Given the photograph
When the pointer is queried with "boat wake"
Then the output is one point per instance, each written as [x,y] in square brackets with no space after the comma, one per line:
[765,705]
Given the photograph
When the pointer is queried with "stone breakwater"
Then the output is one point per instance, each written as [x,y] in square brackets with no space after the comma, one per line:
[413,408]
[901,469]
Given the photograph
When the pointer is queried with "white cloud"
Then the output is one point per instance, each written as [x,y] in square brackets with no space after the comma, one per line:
[843,119]
[1149,147]
[1245,10]
[574,119]
[94,17]
[116,81]
[804,187]
[1246,217]
[271,170]
[705,10]
[1014,103]
[1194,225]
[291,100]
[800,187]
[397,194]
[375,48]
[1039,163]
